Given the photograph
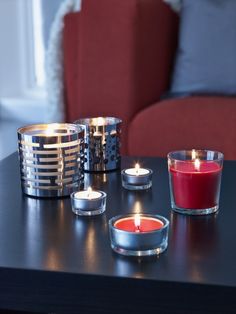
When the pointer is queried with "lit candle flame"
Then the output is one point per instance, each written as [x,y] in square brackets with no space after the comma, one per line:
[50,130]
[137,167]
[100,121]
[137,222]
[89,191]
[194,154]
[197,164]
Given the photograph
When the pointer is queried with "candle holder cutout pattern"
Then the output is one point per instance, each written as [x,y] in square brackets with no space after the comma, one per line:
[139,234]
[195,179]
[136,178]
[51,159]
[102,143]
[88,203]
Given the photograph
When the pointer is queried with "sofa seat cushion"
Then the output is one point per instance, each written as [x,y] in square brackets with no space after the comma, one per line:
[185,123]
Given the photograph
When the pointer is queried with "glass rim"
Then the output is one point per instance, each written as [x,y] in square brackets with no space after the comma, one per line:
[220,155]
[155,216]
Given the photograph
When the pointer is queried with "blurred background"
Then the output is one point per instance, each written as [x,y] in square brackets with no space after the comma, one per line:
[24,34]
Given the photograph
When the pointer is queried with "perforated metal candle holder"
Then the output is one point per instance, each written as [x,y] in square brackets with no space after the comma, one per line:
[51,159]
[102,143]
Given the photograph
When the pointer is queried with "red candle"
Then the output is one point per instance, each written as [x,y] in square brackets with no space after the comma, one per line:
[195,186]
[138,223]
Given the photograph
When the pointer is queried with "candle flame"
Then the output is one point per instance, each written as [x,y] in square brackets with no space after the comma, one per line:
[100,121]
[194,154]
[137,167]
[197,164]
[89,191]
[137,222]
[50,130]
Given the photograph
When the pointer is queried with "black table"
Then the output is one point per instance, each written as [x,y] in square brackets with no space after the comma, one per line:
[54,261]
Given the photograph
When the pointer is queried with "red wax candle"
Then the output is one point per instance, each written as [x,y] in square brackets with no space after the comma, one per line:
[145,224]
[195,188]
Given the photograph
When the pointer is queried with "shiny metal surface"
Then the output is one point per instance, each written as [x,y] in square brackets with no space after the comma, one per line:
[136,182]
[51,159]
[102,143]
[88,207]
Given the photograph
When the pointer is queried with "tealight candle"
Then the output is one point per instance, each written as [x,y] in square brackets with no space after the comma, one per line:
[136,178]
[195,178]
[139,234]
[88,203]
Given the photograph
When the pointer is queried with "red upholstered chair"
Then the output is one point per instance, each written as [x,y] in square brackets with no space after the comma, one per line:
[118,58]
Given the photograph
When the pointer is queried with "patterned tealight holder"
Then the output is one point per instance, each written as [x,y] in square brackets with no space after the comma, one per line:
[102,143]
[51,159]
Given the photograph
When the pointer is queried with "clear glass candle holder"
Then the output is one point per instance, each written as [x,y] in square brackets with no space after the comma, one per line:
[88,203]
[147,237]
[136,178]
[195,179]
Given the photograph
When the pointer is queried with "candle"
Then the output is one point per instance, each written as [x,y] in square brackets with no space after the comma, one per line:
[89,194]
[139,234]
[88,202]
[139,224]
[136,178]
[195,178]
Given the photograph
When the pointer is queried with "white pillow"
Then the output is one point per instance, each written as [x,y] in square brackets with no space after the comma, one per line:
[175,4]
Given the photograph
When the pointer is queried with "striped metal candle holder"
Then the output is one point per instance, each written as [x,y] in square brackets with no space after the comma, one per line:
[102,143]
[51,159]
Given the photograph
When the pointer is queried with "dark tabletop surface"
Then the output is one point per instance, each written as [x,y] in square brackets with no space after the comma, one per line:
[45,235]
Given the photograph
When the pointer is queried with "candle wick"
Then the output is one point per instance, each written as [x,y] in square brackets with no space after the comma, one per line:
[138,229]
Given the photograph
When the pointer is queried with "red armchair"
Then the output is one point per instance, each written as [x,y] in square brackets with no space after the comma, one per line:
[118,59]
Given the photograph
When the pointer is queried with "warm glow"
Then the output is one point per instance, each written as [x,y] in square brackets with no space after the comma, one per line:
[197,164]
[50,130]
[89,191]
[100,121]
[137,221]
[194,155]
[137,167]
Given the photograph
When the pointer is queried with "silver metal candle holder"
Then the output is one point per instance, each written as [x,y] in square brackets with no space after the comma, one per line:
[102,143]
[51,159]
[132,181]
[85,206]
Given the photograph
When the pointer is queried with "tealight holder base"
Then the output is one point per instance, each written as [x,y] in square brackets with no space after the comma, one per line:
[88,207]
[155,251]
[193,211]
[134,187]
[136,182]
[92,212]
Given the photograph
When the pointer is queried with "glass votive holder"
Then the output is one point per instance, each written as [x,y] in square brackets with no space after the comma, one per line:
[51,159]
[102,143]
[139,234]
[195,179]
[136,178]
[88,202]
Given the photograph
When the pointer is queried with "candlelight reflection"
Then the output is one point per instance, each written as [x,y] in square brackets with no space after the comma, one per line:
[135,201]
[86,233]
[137,267]
[192,239]
[43,245]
